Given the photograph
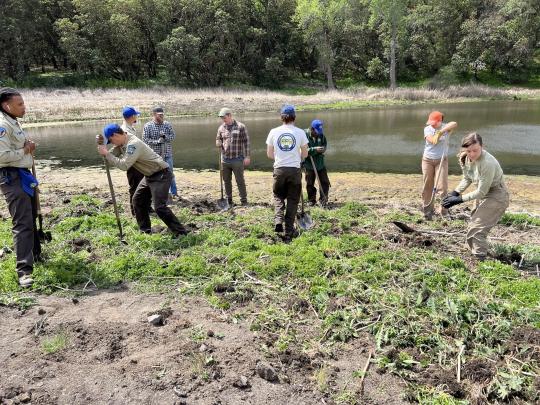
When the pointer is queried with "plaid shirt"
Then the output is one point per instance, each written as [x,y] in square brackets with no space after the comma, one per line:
[234,140]
[159,137]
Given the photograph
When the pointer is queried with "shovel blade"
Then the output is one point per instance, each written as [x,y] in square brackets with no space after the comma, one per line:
[223,204]
[305,221]
[44,236]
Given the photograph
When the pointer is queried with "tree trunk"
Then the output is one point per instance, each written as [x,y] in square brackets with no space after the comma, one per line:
[393,41]
[329,77]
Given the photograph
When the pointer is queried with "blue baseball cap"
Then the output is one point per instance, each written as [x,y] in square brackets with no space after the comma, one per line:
[288,109]
[317,125]
[129,111]
[110,130]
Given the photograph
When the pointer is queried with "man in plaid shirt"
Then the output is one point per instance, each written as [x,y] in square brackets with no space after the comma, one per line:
[159,134]
[233,141]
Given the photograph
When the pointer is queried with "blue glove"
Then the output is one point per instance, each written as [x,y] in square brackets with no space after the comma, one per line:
[454,193]
[451,200]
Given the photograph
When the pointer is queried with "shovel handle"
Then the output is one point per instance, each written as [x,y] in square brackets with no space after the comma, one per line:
[317,176]
[113,197]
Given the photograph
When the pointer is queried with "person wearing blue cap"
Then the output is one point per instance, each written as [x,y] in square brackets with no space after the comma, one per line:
[129,151]
[18,184]
[316,149]
[134,176]
[287,145]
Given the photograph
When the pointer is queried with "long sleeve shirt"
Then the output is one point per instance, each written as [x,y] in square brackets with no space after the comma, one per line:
[234,140]
[12,139]
[159,137]
[485,172]
[137,154]
[318,157]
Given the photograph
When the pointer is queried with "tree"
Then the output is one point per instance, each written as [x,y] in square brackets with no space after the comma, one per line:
[391,15]
[321,22]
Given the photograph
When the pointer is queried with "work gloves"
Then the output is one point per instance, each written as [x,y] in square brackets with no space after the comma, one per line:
[452,199]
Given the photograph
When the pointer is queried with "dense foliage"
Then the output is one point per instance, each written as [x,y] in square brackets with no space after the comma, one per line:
[267,42]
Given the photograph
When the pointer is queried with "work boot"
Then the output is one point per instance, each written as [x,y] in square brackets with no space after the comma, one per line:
[181,233]
[244,203]
[26,281]
[289,236]
[278,228]
[311,203]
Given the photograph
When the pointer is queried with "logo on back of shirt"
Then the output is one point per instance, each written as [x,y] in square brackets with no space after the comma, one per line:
[2,132]
[286,142]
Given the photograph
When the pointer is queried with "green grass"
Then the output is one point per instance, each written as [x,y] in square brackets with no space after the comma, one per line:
[54,344]
[415,300]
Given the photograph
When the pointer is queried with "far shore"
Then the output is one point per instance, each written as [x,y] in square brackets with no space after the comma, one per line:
[46,107]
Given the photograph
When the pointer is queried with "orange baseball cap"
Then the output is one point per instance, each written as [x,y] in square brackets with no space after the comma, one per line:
[434,117]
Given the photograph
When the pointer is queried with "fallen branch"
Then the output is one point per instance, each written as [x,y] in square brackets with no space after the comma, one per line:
[461,348]
[364,372]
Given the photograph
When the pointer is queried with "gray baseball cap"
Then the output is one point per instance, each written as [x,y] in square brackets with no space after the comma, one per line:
[224,111]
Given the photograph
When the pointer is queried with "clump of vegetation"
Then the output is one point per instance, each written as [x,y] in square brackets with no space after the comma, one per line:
[424,308]
[54,344]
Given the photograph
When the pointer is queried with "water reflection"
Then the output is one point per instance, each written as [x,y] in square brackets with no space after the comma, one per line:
[380,140]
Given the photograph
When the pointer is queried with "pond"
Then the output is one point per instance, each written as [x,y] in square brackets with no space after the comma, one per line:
[382,139]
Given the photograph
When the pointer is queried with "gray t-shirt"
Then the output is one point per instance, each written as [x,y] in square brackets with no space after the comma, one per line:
[434,151]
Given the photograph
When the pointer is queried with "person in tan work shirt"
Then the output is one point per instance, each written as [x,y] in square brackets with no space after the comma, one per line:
[18,184]
[134,176]
[130,151]
[491,195]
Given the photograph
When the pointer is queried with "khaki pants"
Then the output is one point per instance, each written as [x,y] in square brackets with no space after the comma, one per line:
[430,169]
[485,216]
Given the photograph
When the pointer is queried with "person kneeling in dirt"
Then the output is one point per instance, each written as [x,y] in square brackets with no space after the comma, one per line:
[128,150]
[18,184]
[491,195]
[435,161]
[287,146]
[316,148]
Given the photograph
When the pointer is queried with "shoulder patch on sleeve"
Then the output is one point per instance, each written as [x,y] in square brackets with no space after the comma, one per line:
[2,132]
[131,149]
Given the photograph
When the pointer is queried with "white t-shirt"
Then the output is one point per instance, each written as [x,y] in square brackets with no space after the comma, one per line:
[287,141]
[434,151]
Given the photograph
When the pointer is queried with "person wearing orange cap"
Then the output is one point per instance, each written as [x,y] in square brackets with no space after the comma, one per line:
[435,159]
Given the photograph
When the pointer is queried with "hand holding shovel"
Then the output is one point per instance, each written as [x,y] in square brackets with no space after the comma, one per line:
[100,141]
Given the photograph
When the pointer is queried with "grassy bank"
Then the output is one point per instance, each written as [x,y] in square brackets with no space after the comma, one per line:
[46,106]
[423,305]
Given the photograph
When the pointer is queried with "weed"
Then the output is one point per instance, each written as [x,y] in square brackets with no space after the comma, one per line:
[55,343]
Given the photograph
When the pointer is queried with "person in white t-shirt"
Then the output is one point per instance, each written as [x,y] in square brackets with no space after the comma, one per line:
[436,135]
[287,145]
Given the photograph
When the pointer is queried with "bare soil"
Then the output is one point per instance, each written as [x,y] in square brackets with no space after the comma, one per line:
[199,356]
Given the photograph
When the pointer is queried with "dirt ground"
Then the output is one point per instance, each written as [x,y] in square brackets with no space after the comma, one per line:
[201,355]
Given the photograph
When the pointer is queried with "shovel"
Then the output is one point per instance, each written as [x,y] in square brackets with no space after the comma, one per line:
[44,236]
[113,197]
[318,181]
[303,219]
[439,171]
[222,203]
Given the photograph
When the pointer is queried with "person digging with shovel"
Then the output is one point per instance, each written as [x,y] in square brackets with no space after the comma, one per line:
[287,145]
[435,162]
[128,151]
[490,198]
[18,184]
[314,164]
